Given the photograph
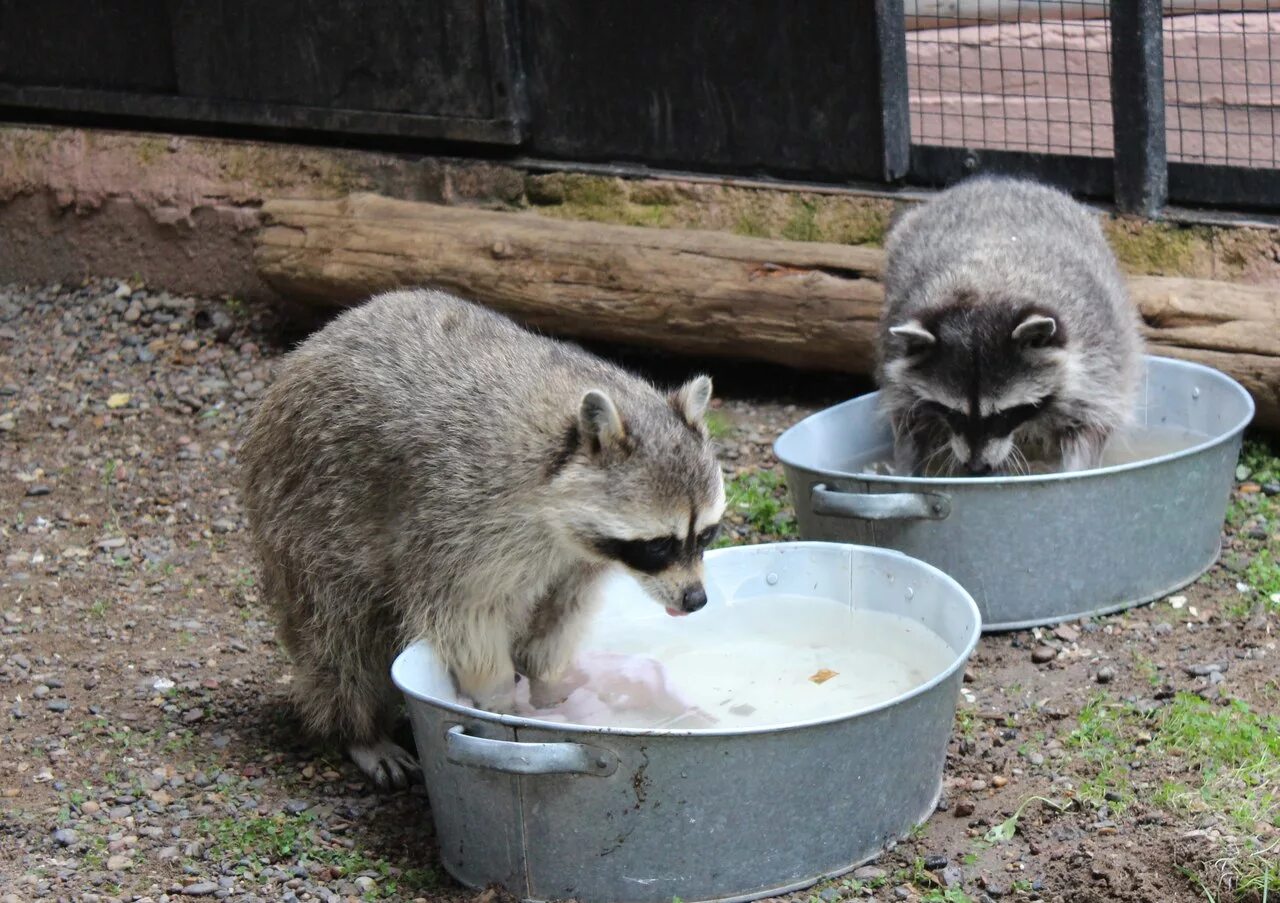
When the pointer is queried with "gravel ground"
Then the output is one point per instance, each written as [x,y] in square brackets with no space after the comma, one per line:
[146,753]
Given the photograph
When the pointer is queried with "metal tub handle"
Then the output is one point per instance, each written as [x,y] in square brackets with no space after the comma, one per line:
[879,506]
[509,757]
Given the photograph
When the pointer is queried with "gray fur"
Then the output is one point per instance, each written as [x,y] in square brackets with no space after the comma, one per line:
[424,468]
[1002,292]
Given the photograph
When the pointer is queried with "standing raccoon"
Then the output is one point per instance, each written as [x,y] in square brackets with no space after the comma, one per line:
[1007,334]
[424,468]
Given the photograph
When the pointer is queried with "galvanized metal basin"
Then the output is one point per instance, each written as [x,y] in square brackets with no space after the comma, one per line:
[1036,550]
[555,811]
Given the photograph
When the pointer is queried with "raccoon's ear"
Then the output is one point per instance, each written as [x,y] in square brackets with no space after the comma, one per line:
[916,336]
[691,400]
[599,421]
[1035,331]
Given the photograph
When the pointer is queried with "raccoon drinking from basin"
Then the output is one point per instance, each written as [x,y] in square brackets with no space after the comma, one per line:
[1007,334]
[425,469]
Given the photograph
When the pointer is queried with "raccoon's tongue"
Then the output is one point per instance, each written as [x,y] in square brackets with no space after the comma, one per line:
[677,613]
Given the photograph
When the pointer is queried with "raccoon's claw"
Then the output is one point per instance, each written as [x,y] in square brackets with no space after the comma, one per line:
[386,764]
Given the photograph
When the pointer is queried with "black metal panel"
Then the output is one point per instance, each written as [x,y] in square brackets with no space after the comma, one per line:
[771,86]
[121,44]
[941,166]
[1224,186]
[429,69]
[1137,103]
[394,56]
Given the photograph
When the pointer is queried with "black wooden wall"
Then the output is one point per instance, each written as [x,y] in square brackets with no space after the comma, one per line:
[774,87]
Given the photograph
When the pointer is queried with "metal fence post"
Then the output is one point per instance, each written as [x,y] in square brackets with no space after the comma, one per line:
[895,115]
[1137,106]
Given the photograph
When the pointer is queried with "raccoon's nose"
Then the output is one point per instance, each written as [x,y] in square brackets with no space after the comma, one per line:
[694,598]
[978,468]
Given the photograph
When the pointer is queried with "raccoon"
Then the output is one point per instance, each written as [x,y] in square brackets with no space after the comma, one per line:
[425,468]
[1007,335]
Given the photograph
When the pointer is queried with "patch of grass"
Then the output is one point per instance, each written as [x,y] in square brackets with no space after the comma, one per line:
[803,225]
[1166,249]
[719,425]
[100,607]
[1228,756]
[760,500]
[1099,741]
[1147,668]
[293,839]
[1263,574]
[1260,462]
[950,895]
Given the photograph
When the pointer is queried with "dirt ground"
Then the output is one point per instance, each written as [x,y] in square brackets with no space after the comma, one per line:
[146,752]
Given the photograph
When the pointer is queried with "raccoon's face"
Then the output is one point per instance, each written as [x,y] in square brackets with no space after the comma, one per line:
[643,490]
[971,381]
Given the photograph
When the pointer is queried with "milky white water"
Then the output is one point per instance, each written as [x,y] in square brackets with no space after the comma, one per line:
[1141,444]
[766,660]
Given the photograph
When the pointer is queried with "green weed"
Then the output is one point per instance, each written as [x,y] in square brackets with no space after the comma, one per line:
[719,424]
[760,499]
[293,839]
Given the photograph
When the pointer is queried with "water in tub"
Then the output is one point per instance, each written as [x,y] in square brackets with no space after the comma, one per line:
[1127,447]
[752,662]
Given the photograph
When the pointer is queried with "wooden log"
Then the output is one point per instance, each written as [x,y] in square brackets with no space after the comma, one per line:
[809,305]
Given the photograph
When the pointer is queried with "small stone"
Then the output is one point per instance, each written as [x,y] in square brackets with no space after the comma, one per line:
[935,862]
[1066,633]
[65,837]
[999,780]
[978,786]
[40,691]
[952,876]
[1043,654]
[1250,488]
[366,884]
[116,863]
[224,525]
[296,807]
[191,716]
[57,705]
[869,873]
[964,809]
[1206,669]
[901,893]
[133,313]
[38,489]
[1105,675]
[200,889]
[830,895]
[1271,488]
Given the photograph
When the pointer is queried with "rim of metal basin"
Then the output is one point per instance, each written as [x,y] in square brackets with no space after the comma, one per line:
[961,657]
[781,447]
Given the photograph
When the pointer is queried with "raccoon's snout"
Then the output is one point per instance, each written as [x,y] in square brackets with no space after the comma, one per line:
[693,598]
[978,468]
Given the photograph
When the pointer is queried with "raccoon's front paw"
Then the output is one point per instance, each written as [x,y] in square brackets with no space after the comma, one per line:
[500,700]
[548,692]
[387,764]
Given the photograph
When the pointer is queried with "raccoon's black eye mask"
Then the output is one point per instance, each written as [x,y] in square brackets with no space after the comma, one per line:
[652,556]
[994,425]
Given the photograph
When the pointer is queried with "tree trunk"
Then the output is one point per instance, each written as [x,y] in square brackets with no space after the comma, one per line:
[803,304]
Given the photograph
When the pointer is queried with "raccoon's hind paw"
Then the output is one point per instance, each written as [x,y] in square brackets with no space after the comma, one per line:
[386,764]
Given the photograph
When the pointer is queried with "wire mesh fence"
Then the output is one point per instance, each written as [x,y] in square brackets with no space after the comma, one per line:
[1221,69]
[1033,78]
[1036,77]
